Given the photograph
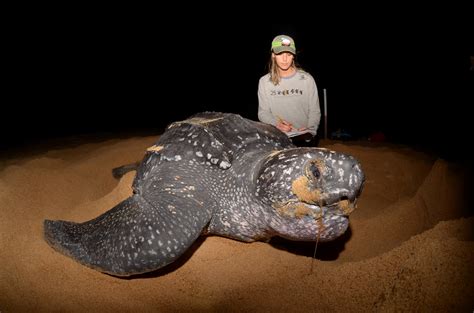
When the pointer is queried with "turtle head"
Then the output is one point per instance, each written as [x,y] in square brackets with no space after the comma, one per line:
[311,192]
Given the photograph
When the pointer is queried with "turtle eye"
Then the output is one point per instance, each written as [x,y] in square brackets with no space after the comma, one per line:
[314,170]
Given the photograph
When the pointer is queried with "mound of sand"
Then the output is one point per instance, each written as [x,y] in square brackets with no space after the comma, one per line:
[410,246]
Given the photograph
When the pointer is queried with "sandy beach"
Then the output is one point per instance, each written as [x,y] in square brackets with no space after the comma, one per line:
[410,246]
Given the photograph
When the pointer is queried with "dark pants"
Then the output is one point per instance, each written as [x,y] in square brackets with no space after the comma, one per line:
[305,140]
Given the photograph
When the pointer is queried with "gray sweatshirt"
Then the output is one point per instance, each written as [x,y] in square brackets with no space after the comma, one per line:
[295,99]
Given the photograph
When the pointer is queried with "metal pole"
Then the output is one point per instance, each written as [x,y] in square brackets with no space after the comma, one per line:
[325,115]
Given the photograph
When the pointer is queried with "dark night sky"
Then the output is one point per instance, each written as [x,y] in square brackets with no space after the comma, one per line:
[94,73]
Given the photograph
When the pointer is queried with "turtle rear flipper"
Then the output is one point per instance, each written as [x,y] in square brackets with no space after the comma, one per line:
[133,237]
[119,171]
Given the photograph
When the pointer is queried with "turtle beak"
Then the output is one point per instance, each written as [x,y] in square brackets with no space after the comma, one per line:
[343,207]
[297,209]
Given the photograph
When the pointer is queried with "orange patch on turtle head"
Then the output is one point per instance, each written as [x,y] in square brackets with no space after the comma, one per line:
[300,187]
[346,207]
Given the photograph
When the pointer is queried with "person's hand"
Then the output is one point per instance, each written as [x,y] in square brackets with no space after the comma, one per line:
[284,126]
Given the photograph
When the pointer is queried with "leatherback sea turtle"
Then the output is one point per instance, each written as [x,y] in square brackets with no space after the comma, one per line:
[220,174]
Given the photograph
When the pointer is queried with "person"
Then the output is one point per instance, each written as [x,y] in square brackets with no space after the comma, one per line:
[288,95]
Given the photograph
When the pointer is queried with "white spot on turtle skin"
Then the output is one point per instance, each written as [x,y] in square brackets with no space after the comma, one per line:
[340,171]
[224,165]
[209,155]
[199,154]
[177,158]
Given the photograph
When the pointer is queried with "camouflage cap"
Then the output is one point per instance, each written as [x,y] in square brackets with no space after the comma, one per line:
[283,43]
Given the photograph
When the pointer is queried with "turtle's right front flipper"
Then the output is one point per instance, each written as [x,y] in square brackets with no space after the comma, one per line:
[133,237]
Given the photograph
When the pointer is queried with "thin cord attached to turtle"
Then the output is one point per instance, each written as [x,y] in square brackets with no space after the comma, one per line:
[314,255]
[318,234]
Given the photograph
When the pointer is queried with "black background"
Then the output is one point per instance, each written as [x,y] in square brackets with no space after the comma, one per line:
[120,70]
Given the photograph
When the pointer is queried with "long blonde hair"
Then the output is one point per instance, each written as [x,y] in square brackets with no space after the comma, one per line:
[273,69]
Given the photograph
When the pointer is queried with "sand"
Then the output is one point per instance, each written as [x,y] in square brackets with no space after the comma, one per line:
[409,247]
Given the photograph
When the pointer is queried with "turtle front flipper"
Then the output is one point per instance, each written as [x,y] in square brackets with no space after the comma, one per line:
[133,237]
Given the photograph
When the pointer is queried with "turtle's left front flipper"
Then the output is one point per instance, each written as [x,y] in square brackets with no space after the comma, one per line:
[133,237]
